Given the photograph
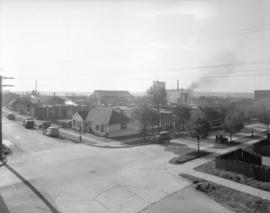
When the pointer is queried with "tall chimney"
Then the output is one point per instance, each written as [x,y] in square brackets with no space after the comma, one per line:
[36,86]
[177,91]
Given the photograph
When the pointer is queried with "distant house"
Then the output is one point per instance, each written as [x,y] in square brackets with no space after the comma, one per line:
[55,100]
[181,96]
[57,108]
[110,123]
[8,97]
[23,105]
[261,94]
[110,98]
[79,121]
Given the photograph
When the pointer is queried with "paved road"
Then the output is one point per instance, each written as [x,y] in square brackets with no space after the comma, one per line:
[56,175]
[186,201]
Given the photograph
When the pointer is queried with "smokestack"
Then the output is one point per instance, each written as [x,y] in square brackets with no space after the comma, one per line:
[36,86]
[177,91]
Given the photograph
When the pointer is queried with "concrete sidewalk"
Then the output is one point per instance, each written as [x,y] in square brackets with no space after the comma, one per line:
[188,168]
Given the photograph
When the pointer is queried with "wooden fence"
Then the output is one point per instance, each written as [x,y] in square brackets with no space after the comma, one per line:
[248,165]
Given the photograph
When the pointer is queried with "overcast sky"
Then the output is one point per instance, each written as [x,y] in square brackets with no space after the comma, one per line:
[70,45]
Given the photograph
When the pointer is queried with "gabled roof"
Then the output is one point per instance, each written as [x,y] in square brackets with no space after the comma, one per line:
[106,116]
[83,114]
[21,100]
[55,100]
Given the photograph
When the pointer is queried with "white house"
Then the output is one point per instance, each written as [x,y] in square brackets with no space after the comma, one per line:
[110,123]
[79,121]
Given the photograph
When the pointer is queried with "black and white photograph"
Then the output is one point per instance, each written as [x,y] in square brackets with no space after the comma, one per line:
[134,106]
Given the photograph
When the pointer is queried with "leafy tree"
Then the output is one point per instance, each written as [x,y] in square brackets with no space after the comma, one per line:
[182,113]
[233,122]
[214,108]
[198,126]
[157,95]
[261,110]
[145,115]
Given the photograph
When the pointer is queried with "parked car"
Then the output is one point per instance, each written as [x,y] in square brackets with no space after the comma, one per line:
[27,119]
[44,125]
[52,131]
[11,116]
[163,136]
[5,149]
[221,139]
[29,123]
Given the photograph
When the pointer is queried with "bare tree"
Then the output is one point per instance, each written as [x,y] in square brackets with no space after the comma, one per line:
[198,126]
[233,122]
[145,115]
[157,95]
[182,113]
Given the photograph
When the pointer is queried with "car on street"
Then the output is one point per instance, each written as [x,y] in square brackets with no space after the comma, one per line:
[11,116]
[44,125]
[163,136]
[221,139]
[51,131]
[5,149]
[29,123]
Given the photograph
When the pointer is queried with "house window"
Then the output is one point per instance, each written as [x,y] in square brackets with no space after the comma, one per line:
[102,128]
[123,125]
[74,123]
[97,127]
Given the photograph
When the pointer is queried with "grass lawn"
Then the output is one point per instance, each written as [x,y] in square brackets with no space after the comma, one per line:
[176,148]
[225,145]
[210,169]
[188,157]
[234,200]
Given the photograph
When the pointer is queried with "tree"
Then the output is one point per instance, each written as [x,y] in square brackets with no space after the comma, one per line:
[145,115]
[261,110]
[157,95]
[233,122]
[182,113]
[198,126]
[214,108]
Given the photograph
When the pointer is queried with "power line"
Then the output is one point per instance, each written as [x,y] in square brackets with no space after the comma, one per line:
[232,33]
[175,69]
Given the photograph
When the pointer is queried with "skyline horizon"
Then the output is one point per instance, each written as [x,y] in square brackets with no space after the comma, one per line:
[212,45]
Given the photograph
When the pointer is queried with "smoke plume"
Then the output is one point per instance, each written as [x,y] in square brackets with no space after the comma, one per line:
[210,75]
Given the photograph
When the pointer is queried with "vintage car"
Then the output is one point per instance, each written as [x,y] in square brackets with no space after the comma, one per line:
[29,123]
[221,139]
[163,136]
[44,125]
[51,131]
[11,116]
[5,149]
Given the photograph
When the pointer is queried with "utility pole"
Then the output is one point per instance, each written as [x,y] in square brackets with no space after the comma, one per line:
[1,91]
